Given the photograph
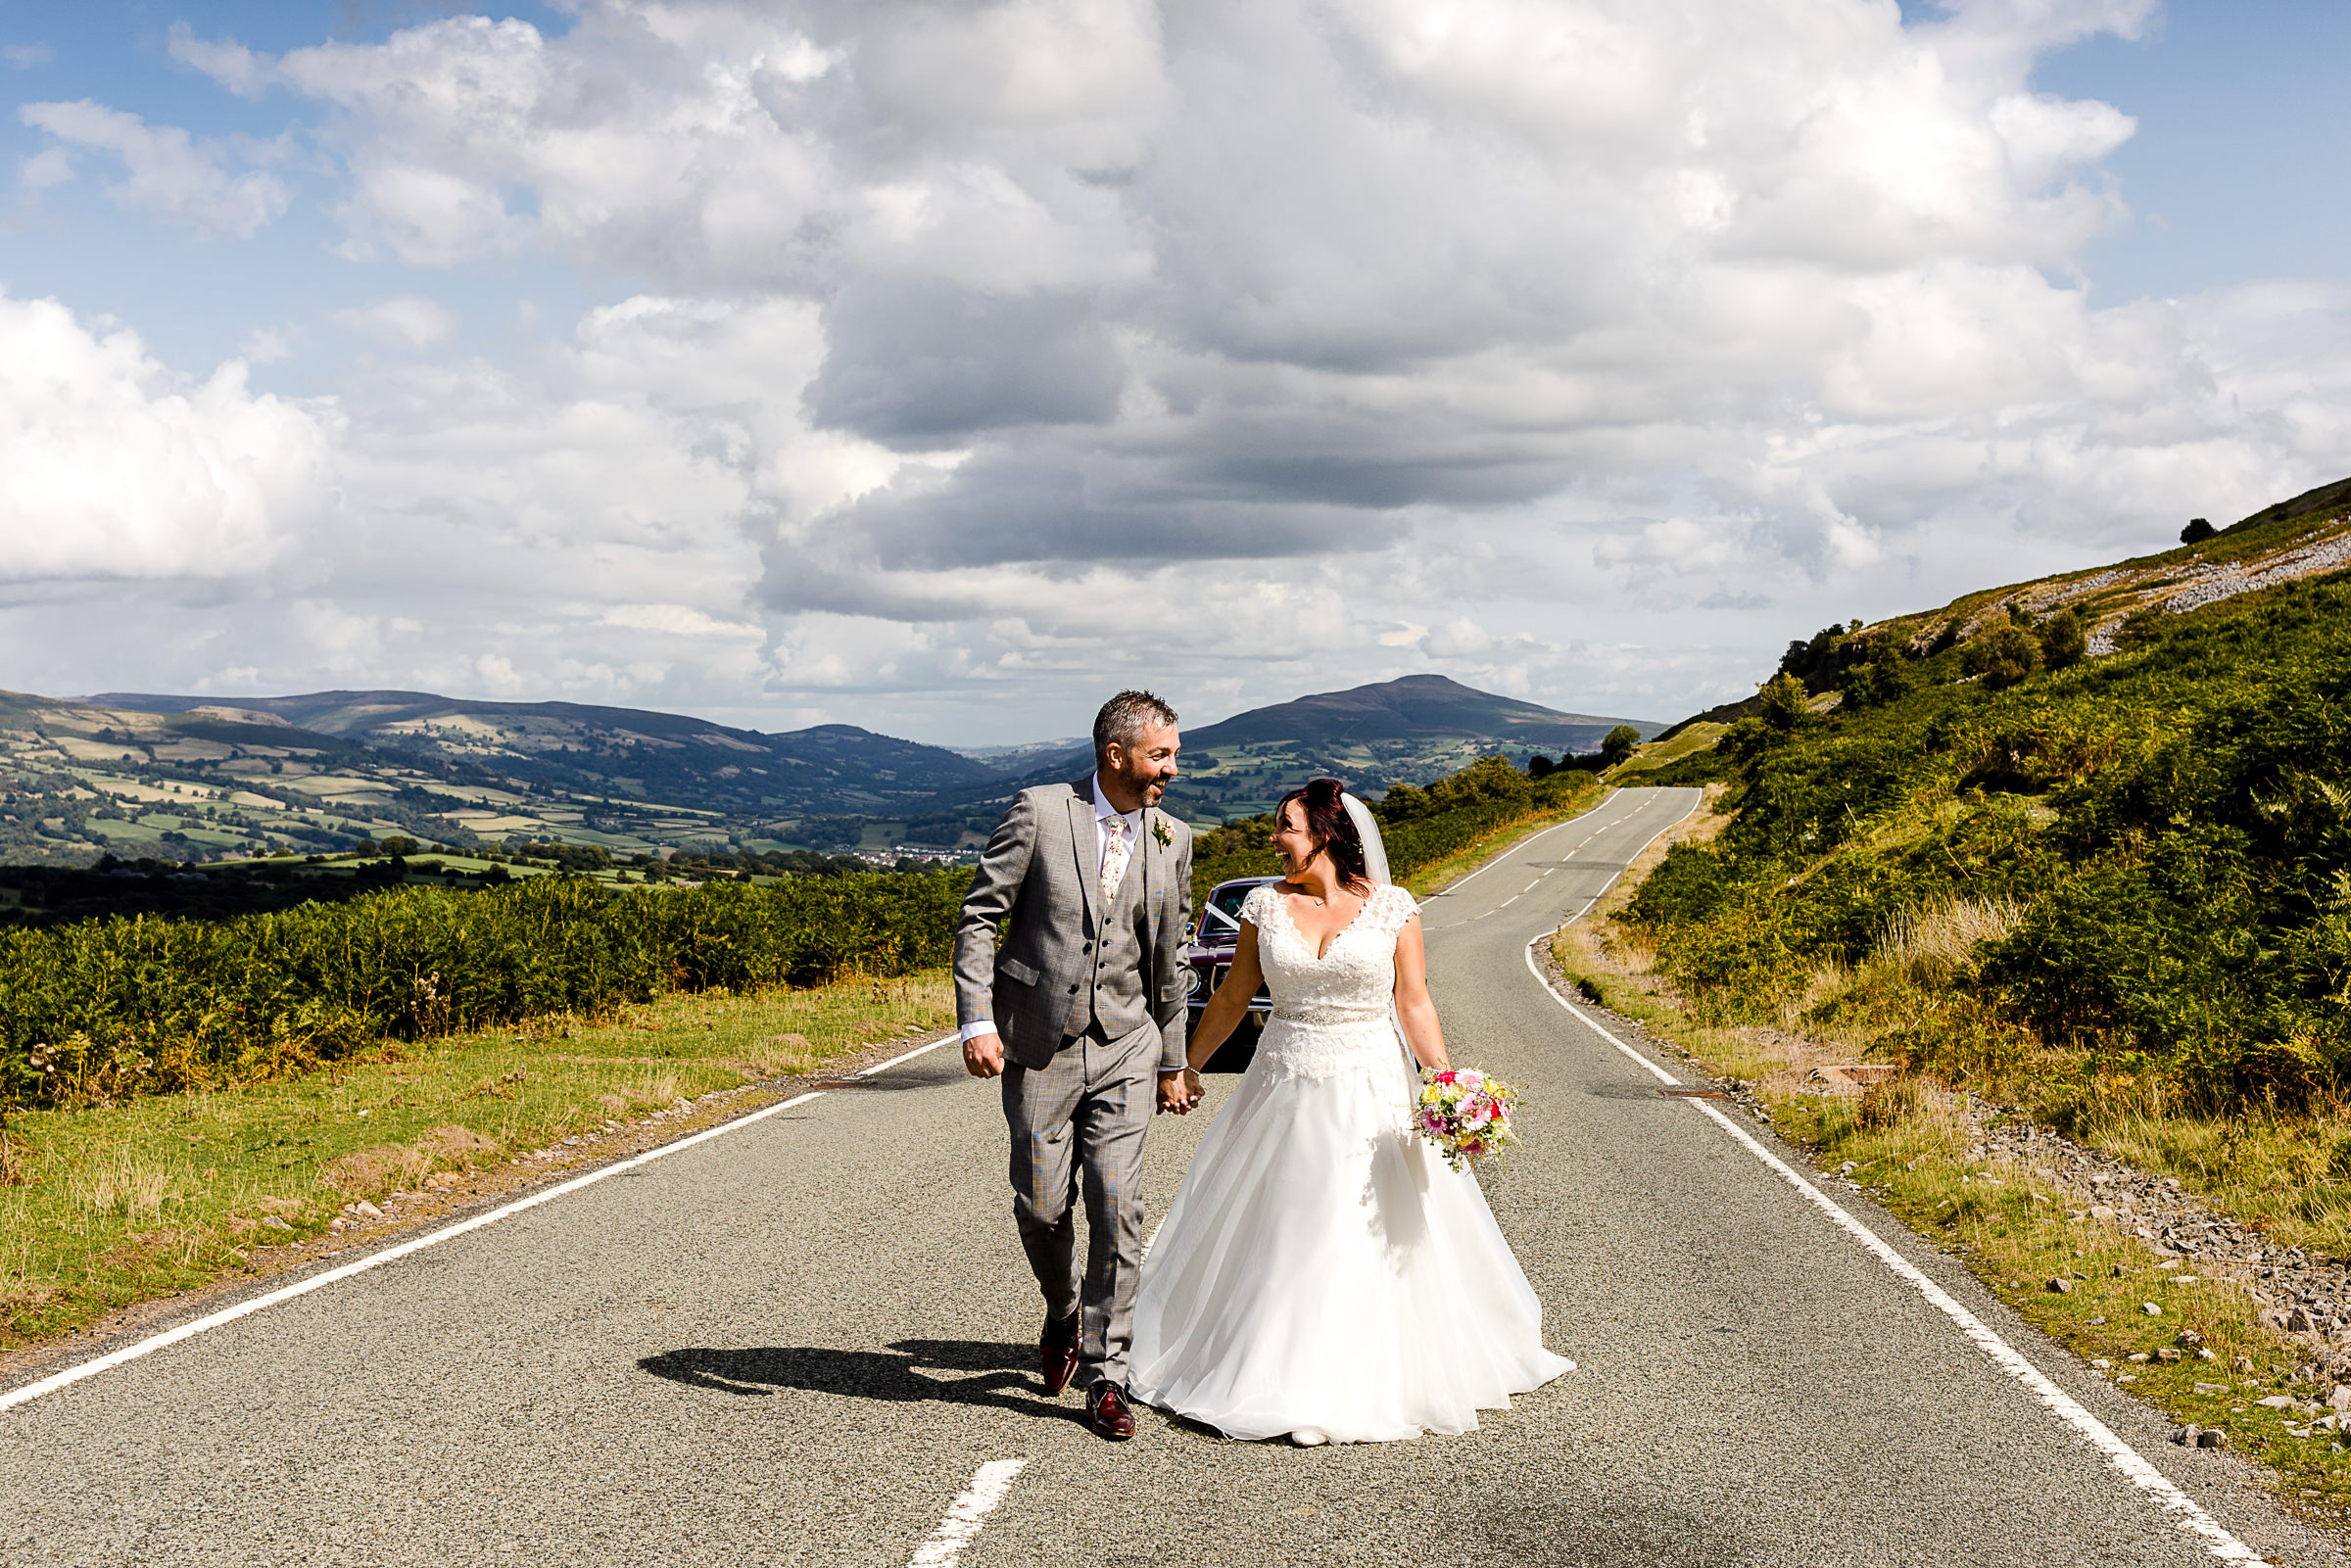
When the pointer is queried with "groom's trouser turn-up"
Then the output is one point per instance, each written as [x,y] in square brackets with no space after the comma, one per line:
[1081,1120]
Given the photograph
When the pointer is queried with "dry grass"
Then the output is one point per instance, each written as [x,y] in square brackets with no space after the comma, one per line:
[117,1181]
[1933,946]
[1911,1143]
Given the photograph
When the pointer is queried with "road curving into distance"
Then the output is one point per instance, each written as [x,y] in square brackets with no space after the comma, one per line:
[811,1339]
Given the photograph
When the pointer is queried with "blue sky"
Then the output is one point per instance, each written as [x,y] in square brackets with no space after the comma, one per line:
[2240,167]
[936,369]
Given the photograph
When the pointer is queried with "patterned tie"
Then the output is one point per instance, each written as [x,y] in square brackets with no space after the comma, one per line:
[1114,859]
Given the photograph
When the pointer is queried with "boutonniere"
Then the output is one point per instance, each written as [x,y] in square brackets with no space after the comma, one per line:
[1159,833]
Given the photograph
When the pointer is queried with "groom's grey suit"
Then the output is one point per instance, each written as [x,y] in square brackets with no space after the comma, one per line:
[1088,997]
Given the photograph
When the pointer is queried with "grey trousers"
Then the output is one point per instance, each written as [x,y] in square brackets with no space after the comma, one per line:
[1081,1122]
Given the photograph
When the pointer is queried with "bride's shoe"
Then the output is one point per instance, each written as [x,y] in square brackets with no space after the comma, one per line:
[1306,1437]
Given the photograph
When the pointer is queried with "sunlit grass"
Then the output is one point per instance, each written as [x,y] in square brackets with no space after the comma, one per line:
[168,1192]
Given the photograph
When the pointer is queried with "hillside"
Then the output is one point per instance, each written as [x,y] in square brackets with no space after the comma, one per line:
[1413,730]
[177,776]
[2084,841]
[187,778]
[628,752]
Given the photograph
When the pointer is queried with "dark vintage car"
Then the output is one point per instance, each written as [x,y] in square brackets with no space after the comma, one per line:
[1209,954]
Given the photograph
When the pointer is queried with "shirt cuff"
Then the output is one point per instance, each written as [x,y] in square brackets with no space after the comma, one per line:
[976,1028]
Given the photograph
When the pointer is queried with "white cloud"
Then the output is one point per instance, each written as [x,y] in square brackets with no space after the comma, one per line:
[227,62]
[408,321]
[168,173]
[112,467]
[25,56]
[1249,345]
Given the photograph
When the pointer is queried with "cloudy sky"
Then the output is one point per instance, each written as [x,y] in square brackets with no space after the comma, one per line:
[937,368]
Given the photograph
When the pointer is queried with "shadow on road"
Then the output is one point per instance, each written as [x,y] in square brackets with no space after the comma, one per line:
[900,1375]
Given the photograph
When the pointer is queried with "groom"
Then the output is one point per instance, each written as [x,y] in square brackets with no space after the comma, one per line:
[1085,996]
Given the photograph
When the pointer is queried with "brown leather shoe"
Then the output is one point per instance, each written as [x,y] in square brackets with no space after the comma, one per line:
[1057,1356]
[1106,1408]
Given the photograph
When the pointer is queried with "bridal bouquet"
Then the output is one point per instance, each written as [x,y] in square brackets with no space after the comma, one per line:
[1464,1114]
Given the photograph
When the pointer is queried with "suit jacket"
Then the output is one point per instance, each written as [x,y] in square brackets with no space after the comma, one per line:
[1040,867]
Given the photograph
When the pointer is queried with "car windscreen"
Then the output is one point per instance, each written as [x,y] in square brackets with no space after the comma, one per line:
[1223,913]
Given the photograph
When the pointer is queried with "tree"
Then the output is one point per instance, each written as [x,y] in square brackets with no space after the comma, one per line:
[400,845]
[2198,530]
[1787,705]
[2003,655]
[1618,744]
[2062,641]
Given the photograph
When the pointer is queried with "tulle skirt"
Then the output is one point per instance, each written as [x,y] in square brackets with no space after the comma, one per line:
[1322,1268]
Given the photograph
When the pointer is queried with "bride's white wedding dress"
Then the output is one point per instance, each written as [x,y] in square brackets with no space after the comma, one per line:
[1322,1268]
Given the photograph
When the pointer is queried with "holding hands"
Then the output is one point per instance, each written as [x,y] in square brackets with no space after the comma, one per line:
[1178,1091]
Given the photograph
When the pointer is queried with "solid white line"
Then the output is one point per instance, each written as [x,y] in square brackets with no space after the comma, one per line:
[188,1330]
[966,1513]
[246,1308]
[867,1072]
[2186,1513]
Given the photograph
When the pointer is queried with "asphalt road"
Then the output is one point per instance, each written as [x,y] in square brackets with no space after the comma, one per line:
[801,1341]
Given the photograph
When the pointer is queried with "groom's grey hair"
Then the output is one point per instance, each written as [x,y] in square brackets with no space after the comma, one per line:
[1123,719]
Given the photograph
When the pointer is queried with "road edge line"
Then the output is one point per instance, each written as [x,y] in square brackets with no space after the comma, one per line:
[2187,1515]
[27,1393]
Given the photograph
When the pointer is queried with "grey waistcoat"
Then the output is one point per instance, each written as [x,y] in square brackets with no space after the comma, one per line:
[1113,1002]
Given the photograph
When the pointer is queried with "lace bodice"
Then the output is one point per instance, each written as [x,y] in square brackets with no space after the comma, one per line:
[1329,1013]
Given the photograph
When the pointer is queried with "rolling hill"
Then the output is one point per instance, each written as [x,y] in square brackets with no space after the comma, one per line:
[181,777]
[1414,730]
[632,753]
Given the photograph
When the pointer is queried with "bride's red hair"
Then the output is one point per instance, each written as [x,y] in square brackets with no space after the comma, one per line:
[1333,829]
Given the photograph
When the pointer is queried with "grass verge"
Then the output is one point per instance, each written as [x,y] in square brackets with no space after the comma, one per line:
[164,1193]
[2202,1356]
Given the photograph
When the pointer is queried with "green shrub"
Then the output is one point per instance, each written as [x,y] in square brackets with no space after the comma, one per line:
[108,1007]
[1885,680]
[2003,655]
[2172,827]
[2063,643]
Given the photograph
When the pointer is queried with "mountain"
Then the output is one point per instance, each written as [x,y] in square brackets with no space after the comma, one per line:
[1417,709]
[145,774]
[1415,729]
[627,753]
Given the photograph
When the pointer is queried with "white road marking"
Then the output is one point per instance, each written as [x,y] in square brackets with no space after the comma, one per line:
[1525,844]
[868,1073]
[246,1308]
[2186,1513]
[966,1513]
[1507,902]
[1537,883]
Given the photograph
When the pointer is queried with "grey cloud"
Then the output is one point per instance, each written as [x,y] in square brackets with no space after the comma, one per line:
[918,364]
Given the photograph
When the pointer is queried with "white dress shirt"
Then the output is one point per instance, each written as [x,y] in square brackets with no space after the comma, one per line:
[1104,815]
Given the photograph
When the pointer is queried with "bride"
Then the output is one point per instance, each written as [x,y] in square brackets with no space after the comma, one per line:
[1322,1272]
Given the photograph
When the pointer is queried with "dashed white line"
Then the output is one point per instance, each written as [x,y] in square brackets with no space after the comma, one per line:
[1531,886]
[1507,902]
[1525,844]
[246,1308]
[965,1515]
